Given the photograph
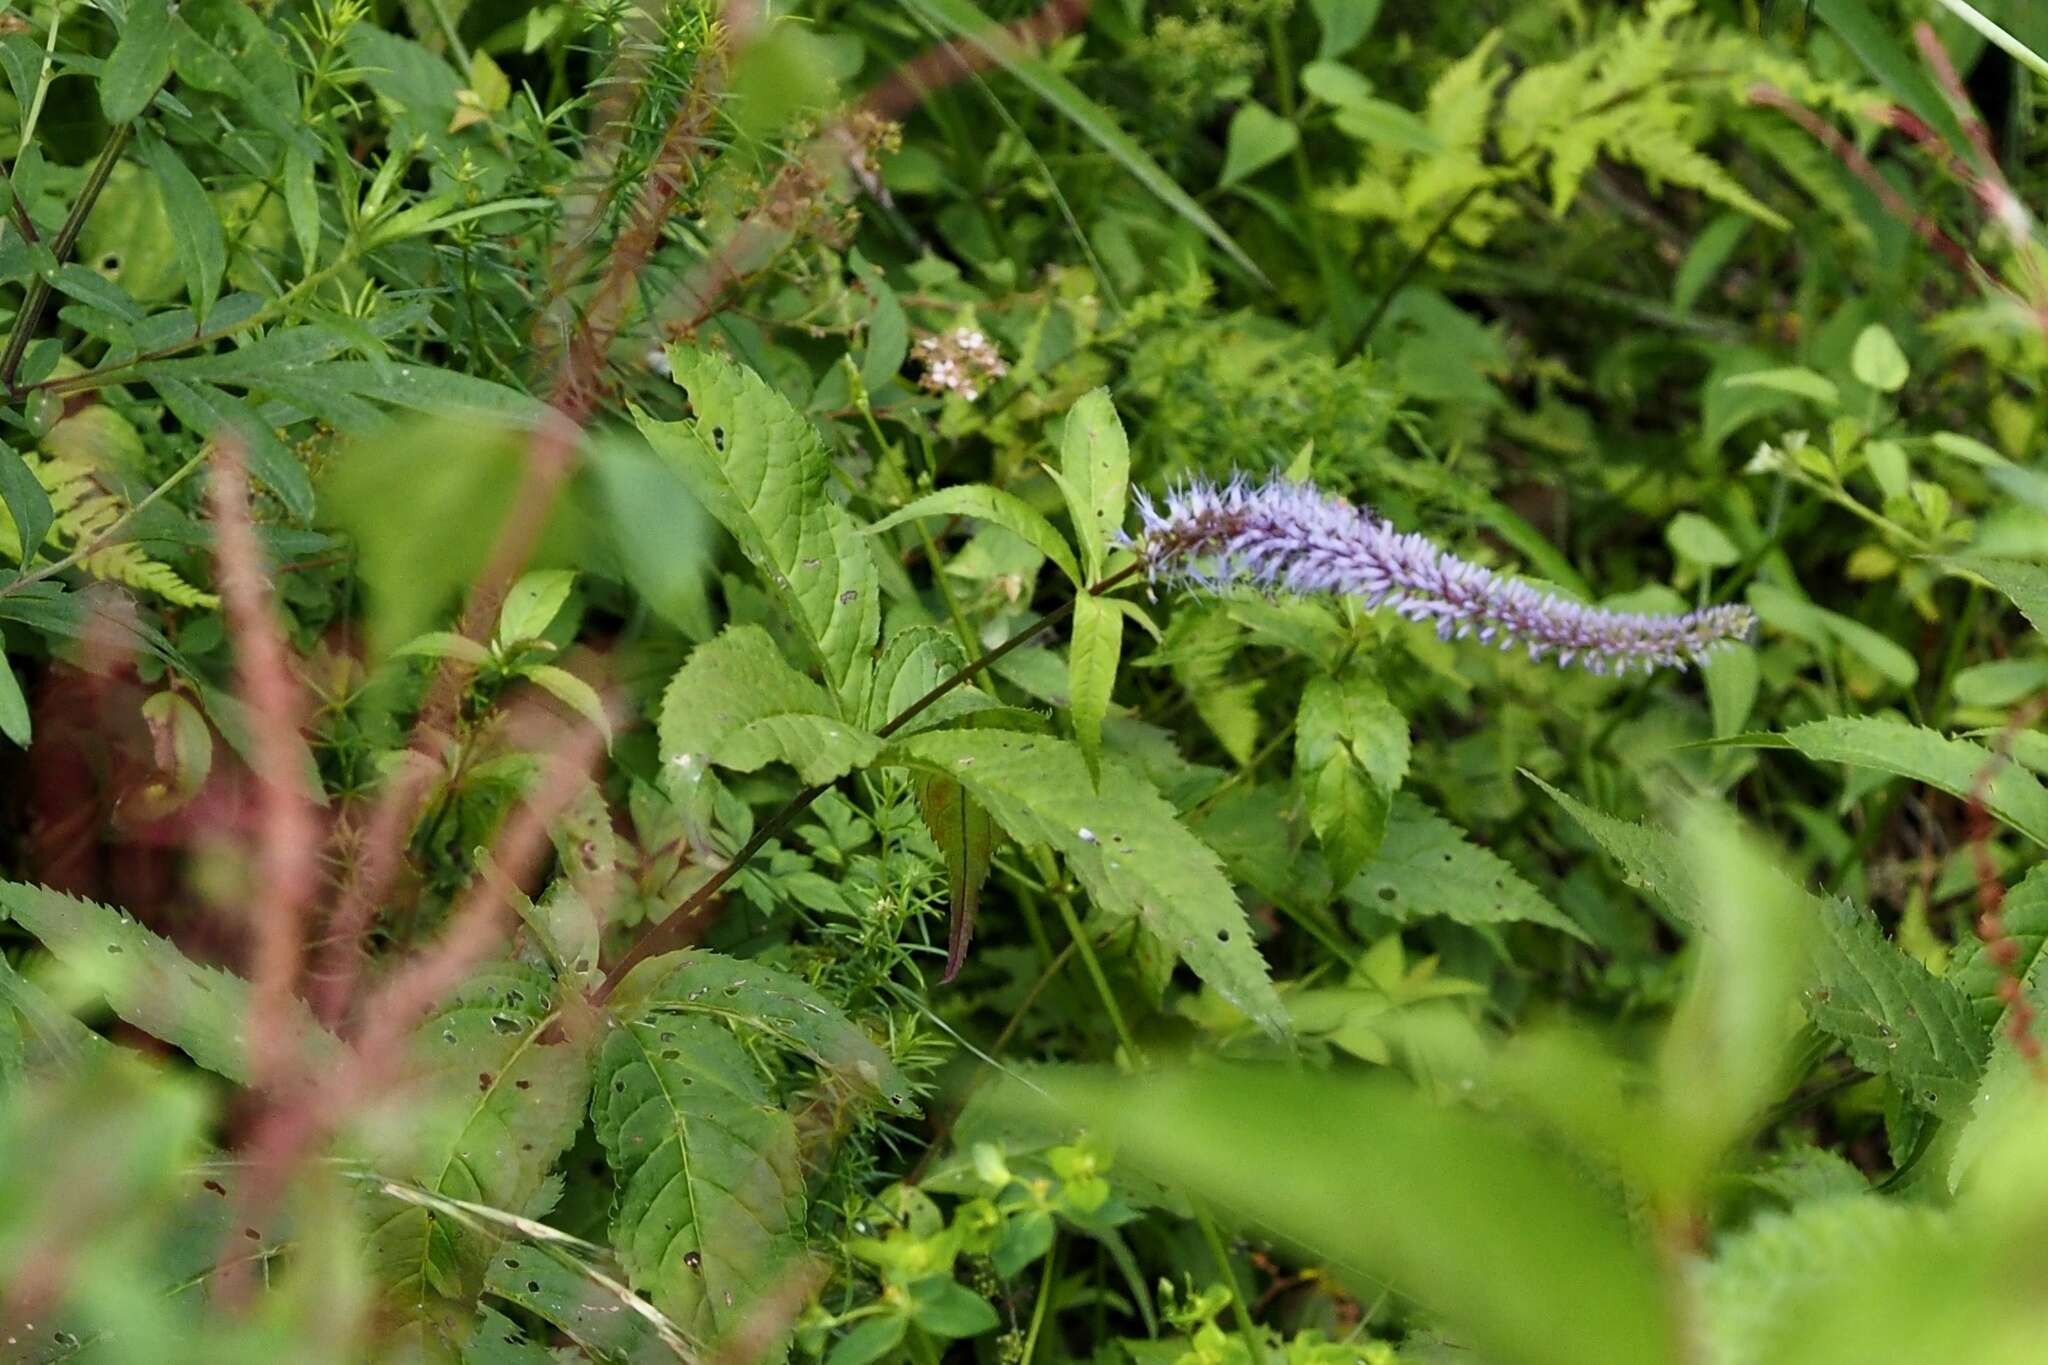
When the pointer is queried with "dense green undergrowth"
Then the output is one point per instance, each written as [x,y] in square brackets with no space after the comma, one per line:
[621,741]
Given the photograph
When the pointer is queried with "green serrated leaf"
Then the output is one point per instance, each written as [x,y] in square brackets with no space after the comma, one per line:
[1426,867]
[1898,1018]
[1124,842]
[587,1309]
[914,662]
[2025,584]
[26,501]
[1095,470]
[495,1102]
[1956,766]
[203,1011]
[1350,754]
[736,704]
[759,467]
[750,996]
[1006,510]
[710,1208]
[1092,657]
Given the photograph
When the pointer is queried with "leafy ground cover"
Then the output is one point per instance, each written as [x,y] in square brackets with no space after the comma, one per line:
[1171,682]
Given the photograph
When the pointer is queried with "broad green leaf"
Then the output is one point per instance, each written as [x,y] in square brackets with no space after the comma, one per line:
[1350,754]
[1956,766]
[1092,657]
[497,1340]
[195,226]
[1006,510]
[760,468]
[1288,1152]
[2000,682]
[14,718]
[1695,539]
[2025,584]
[1783,610]
[665,542]
[966,838]
[736,704]
[1333,83]
[44,1035]
[1426,867]
[915,661]
[1898,1018]
[495,1100]
[532,604]
[750,996]
[574,693]
[139,63]
[1345,24]
[443,644]
[1877,361]
[1095,469]
[710,1206]
[1792,379]
[2024,916]
[586,1307]
[965,19]
[1762,1292]
[1379,123]
[202,1011]
[888,334]
[1258,137]
[25,501]
[1124,842]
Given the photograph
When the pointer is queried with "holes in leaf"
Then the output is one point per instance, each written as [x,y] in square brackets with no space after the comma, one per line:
[1386,893]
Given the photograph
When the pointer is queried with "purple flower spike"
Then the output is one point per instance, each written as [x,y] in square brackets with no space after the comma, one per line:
[1291,537]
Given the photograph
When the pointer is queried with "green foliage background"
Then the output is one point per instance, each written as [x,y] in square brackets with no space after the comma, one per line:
[693,452]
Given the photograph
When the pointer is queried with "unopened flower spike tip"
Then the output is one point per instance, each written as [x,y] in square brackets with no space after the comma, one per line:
[1292,537]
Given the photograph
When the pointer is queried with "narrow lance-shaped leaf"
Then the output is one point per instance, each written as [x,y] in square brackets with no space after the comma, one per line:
[1092,657]
[139,63]
[1006,510]
[966,838]
[1094,473]
[760,468]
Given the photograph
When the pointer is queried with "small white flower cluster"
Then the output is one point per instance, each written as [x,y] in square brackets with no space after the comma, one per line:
[962,361]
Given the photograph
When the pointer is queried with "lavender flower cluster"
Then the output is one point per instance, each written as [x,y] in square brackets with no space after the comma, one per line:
[1291,537]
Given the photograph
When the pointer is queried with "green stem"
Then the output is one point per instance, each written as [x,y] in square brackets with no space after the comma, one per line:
[1239,1308]
[60,247]
[1095,973]
[1045,1283]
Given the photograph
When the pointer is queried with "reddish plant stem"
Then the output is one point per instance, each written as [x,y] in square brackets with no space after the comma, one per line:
[1999,944]
[289,836]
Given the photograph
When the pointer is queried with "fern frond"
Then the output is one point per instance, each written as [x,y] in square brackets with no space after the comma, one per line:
[85,510]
